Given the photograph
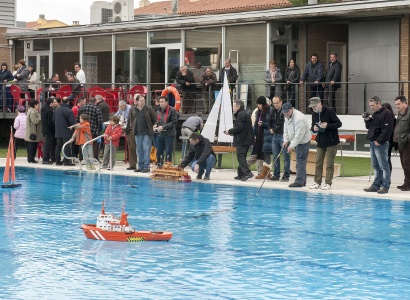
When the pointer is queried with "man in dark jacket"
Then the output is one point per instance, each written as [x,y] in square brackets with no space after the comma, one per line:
[75,86]
[208,81]
[380,128]
[243,137]
[142,119]
[333,78]
[185,78]
[63,118]
[313,74]
[201,155]
[167,119]
[231,74]
[402,138]
[48,131]
[325,124]
[5,76]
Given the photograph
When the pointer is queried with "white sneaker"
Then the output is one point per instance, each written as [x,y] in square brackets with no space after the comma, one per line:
[327,187]
[315,186]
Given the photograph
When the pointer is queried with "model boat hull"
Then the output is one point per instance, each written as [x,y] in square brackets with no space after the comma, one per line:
[94,233]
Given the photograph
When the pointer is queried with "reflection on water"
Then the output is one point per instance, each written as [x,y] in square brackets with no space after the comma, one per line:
[227,242]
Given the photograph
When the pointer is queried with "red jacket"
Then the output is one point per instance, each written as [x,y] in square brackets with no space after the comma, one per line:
[115,132]
[82,133]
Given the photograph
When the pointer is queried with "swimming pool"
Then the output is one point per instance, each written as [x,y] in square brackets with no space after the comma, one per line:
[227,243]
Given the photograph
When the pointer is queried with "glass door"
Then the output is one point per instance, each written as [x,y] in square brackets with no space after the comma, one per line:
[41,64]
[173,58]
[139,66]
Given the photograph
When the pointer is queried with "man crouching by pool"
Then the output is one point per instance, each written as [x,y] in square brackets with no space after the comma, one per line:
[201,155]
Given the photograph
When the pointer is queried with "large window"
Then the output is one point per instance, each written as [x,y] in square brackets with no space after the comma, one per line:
[66,52]
[97,60]
[201,49]
[123,44]
[250,43]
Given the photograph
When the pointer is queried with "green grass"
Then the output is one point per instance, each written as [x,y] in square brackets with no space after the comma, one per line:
[353,166]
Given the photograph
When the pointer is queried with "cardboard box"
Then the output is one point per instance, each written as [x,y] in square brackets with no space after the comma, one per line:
[311,165]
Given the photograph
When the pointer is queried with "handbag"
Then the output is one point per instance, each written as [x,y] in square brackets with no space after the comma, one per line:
[153,155]
[32,137]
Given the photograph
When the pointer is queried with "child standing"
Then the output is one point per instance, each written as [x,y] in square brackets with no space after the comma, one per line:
[20,127]
[82,135]
[112,134]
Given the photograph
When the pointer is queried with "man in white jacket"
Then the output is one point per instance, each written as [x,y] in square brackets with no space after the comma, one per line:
[297,136]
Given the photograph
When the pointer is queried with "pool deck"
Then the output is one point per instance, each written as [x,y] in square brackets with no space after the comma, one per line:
[341,185]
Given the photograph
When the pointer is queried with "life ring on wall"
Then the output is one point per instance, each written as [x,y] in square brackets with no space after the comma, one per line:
[174,92]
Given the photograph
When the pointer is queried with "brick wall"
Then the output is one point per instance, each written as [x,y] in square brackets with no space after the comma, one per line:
[405,52]
[4,48]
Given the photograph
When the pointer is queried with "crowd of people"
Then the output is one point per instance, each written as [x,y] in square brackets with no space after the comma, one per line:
[273,130]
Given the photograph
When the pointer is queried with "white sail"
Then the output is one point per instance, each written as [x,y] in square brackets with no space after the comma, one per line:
[210,125]
[225,119]
[224,106]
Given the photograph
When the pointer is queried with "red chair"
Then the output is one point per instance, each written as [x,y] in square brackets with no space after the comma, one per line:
[39,91]
[17,93]
[93,91]
[65,91]
[112,102]
[136,89]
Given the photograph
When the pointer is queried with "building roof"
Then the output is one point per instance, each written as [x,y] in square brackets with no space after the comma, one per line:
[43,23]
[192,7]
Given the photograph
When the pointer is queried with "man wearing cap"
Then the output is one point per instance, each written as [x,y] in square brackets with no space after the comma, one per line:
[75,86]
[325,124]
[296,137]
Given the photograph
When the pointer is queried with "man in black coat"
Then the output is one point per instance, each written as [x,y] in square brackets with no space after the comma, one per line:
[380,128]
[333,78]
[201,155]
[231,74]
[48,131]
[325,124]
[185,78]
[63,118]
[243,137]
[75,86]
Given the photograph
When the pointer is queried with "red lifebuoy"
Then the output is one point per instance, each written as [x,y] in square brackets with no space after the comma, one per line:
[174,92]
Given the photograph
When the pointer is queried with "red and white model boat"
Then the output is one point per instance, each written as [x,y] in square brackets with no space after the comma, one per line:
[110,228]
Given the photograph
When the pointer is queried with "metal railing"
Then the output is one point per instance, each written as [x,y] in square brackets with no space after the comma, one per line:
[350,97]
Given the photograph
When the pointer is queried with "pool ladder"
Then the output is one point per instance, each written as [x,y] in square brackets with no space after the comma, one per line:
[93,159]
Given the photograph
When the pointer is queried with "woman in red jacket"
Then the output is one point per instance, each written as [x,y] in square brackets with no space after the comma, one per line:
[111,136]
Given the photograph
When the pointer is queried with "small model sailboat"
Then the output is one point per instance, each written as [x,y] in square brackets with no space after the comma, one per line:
[9,169]
[222,108]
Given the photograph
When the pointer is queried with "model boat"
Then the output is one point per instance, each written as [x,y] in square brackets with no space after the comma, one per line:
[9,170]
[169,172]
[110,228]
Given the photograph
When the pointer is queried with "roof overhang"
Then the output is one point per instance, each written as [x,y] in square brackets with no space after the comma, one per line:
[330,12]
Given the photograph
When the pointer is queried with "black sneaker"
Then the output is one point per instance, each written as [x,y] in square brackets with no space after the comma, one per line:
[238,177]
[371,189]
[145,171]
[284,179]
[292,185]
[131,168]
[198,176]
[138,170]
[274,178]
[247,176]
[206,177]
[382,190]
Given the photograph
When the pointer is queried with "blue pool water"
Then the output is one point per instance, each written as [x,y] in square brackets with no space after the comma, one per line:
[227,243]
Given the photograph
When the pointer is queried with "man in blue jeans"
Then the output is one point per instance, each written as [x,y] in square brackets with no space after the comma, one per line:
[380,128]
[276,124]
[142,119]
[201,155]
[296,137]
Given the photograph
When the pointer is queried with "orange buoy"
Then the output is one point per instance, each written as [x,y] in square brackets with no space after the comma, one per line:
[174,92]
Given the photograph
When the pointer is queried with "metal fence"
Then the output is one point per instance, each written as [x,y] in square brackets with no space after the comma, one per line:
[349,98]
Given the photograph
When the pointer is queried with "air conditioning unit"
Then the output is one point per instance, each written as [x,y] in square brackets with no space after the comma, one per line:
[122,11]
[28,45]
